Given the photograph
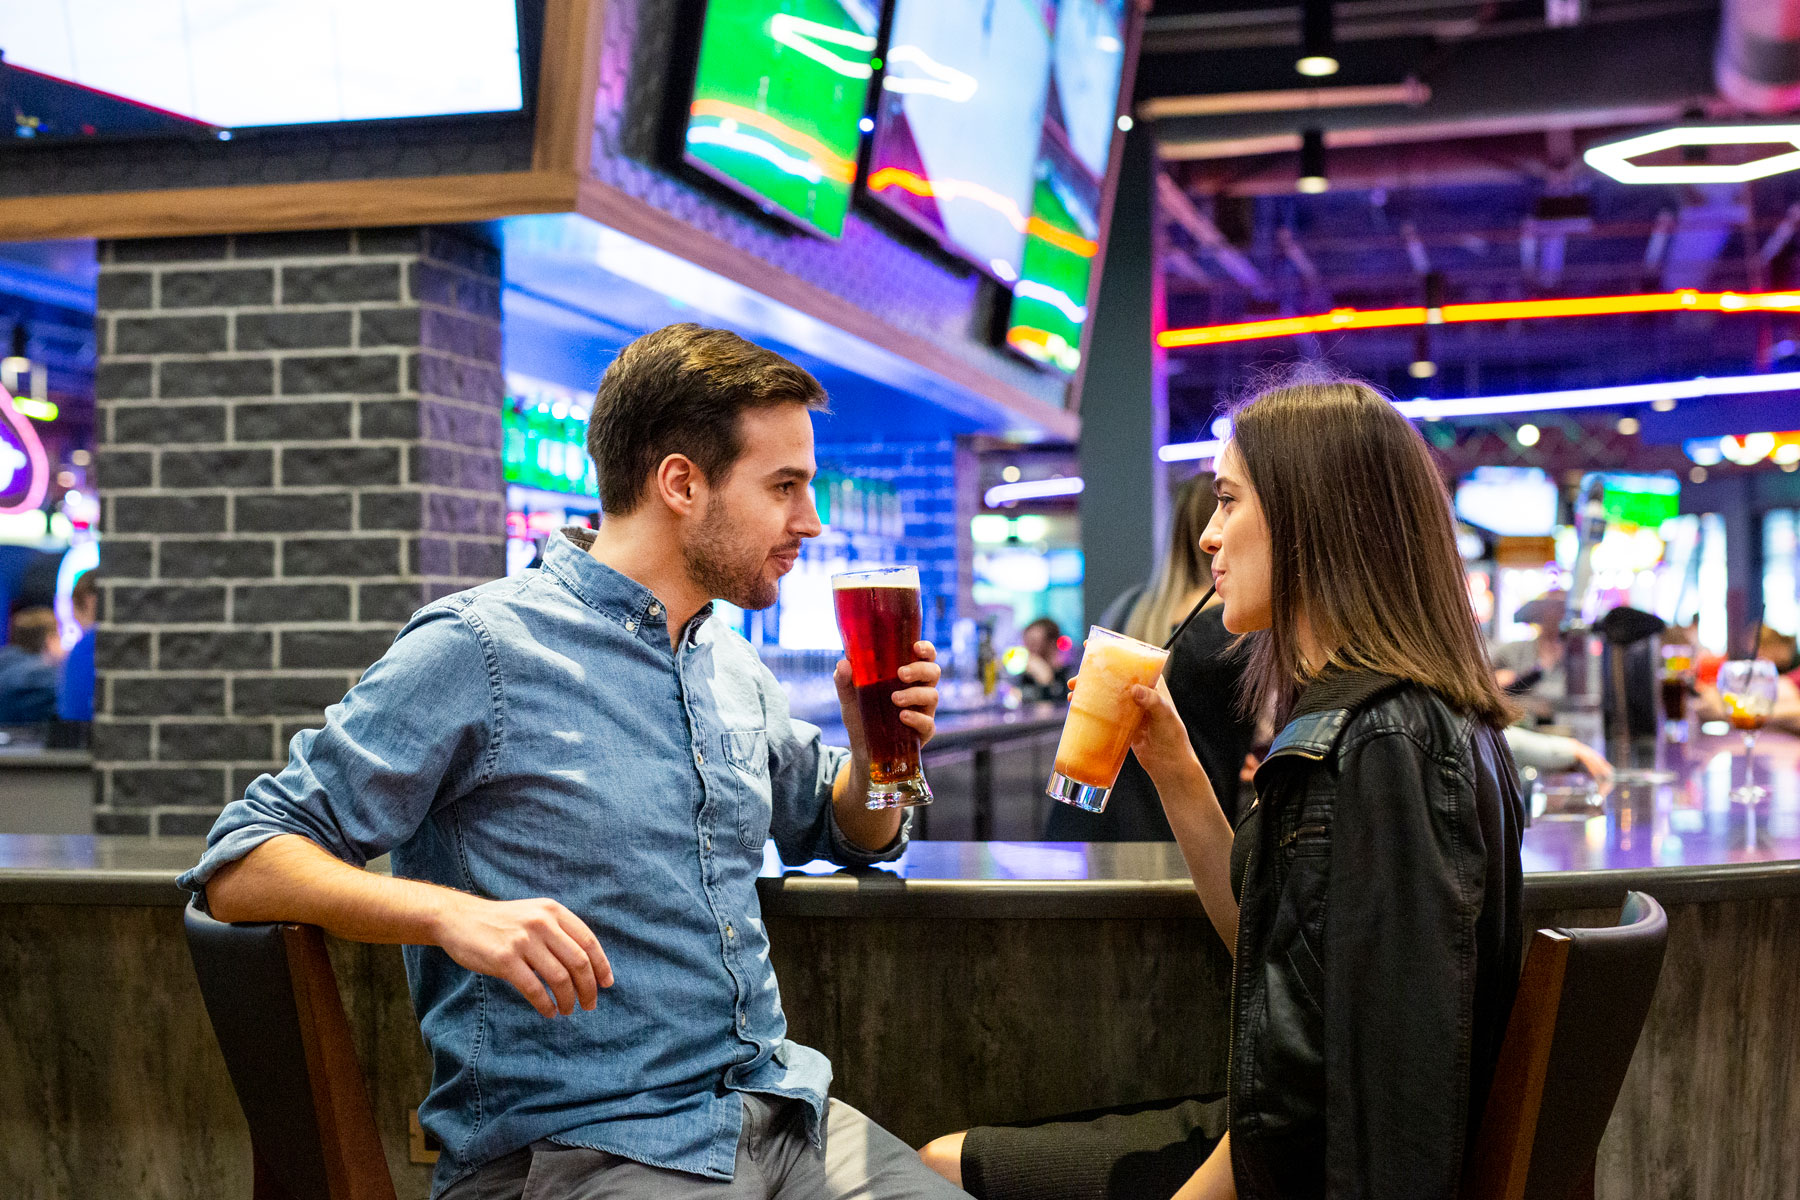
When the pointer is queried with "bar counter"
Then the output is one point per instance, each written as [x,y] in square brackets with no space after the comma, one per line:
[969,982]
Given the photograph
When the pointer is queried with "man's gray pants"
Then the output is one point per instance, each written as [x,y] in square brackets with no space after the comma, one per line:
[775,1161]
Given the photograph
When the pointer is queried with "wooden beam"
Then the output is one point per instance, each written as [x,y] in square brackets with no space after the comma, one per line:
[627,214]
[568,75]
[183,212]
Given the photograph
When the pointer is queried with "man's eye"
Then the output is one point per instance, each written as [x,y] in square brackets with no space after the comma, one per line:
[785,488]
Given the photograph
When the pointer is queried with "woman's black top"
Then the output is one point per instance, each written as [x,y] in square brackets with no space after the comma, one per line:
[1203,677]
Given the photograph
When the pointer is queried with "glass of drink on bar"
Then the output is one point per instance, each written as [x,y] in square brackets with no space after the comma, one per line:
[1103,718]
[878,614]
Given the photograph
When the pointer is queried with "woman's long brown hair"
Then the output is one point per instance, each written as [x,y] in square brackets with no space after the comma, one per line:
[1185,569]
[1362,542]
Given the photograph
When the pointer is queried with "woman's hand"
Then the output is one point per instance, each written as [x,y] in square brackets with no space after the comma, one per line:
[1162,746]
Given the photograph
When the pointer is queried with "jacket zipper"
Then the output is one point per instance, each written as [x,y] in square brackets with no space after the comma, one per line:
[1294,836]
[1236,953]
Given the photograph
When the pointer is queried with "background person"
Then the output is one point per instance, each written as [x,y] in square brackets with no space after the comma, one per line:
[75,686]
[1373,894]
[28,667]
[1046,674]
[1204,675]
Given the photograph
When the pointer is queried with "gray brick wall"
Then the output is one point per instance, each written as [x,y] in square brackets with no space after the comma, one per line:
[298,445]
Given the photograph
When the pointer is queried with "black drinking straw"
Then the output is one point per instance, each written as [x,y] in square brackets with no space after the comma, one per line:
[1189,619]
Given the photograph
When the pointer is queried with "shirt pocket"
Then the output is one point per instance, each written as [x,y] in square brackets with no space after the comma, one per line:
[747,754]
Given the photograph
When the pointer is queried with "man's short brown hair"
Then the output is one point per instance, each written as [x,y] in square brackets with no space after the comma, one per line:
[30,629]
[680,390]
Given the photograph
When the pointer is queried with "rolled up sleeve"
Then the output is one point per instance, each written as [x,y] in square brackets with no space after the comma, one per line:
[802,772]
[414,732]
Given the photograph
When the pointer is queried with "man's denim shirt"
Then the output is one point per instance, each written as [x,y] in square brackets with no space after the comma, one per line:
[537,737]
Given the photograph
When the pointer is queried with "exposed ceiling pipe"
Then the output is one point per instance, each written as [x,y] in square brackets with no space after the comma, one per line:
[1658,243]
[1287,100]
[1780,236]
[1296,254]
[1757,64]
[1177,207]
[1415,249]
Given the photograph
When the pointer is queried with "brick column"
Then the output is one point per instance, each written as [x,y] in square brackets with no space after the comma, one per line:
[298,445]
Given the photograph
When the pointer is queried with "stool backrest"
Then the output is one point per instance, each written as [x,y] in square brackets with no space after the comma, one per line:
[273,1000]
[1575,1023]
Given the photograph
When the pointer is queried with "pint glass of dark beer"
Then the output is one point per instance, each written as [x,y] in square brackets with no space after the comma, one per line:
[878,614]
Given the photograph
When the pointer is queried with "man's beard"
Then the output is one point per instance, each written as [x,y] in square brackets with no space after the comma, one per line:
[722,565]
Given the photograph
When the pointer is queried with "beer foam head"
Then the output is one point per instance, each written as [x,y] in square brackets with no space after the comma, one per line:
[882,577]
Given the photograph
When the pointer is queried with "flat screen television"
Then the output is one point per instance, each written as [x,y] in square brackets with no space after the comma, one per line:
[780,89]
[101,68]
[1050,300]
[959,122]
[1508,501]
[1642,500]
[1084,78]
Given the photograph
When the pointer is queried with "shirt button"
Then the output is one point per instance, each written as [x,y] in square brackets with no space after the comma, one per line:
[743,1020]
[730,932]
[631,626]
[709,843]
[656,610]
[699,759]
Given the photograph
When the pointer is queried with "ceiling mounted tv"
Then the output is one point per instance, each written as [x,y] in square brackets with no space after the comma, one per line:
[1508,501]
[959,123]
[1050,301]
[779,91]
[96,68]
[1084,92]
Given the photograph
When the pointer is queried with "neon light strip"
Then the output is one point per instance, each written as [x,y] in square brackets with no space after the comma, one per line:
[1502,310]
[1032,489]
[1190,451]
[36,465]
[830,162]
[797,33]
[1615,159]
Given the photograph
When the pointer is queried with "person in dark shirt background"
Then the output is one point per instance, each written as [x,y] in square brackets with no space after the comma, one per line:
[1046,675]
[1203,675]
[75,690]
[28,665]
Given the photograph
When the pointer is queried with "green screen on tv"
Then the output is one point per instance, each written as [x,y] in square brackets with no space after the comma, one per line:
[779,90]
[1642,500]
[1050,299]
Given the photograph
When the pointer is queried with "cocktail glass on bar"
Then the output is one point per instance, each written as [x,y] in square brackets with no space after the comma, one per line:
[1747,688]
[1103,718]
[878,613]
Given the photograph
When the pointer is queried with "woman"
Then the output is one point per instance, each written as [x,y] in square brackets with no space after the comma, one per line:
[1372,891]
[1204,675]
[1046,675]
[1531,670]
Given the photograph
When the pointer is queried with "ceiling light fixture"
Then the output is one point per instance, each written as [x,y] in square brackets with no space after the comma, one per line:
[1191,451]
[1318,40]
[1615,158]
[1528,434]
[1422,366]
[1032,489]
[1312,179]
[1339,319]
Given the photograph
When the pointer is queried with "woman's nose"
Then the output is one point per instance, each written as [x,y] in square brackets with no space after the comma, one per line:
[1211,539]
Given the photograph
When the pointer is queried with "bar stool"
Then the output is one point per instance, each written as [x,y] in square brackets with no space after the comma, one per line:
[1580,1009]
[275,1008]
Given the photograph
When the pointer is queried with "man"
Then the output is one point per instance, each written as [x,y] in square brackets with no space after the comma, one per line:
[576,771]
[28,667]
[75,689]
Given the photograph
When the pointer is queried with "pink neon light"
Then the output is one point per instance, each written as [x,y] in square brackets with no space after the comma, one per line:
[37,463]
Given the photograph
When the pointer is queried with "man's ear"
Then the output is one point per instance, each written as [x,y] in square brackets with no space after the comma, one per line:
[679,484]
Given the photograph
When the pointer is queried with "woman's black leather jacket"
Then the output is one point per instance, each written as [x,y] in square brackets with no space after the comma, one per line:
[1379,935]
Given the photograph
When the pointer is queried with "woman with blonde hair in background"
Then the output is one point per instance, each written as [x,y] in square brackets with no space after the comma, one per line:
[1204,676]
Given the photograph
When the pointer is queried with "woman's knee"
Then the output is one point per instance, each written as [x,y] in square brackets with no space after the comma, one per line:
[944,1155]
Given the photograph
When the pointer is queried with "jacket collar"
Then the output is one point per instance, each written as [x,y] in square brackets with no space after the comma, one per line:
[1324,708]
